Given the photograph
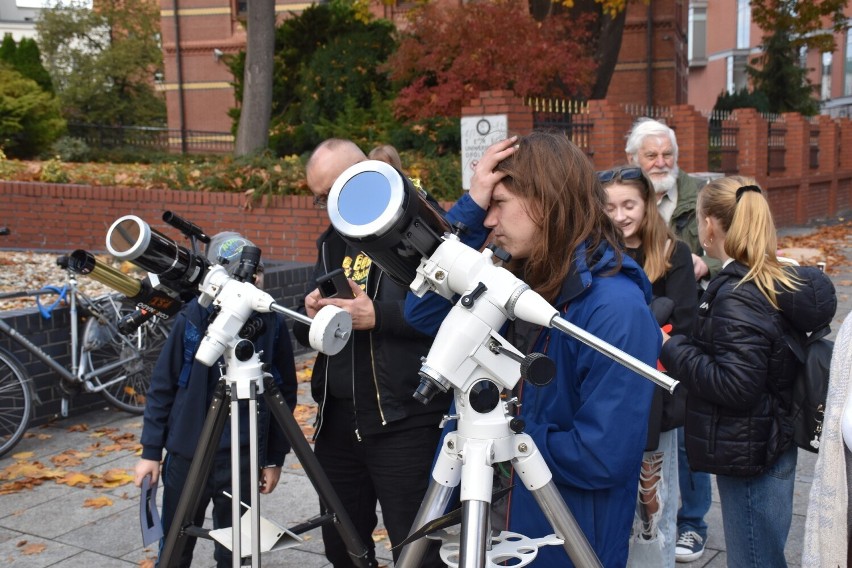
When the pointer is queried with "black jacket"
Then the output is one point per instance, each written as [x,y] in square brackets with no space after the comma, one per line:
[739,369]
[384,361]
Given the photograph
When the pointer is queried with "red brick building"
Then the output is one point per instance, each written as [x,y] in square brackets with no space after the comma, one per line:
[196,33]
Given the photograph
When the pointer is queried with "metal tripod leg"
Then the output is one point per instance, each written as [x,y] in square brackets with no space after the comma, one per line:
[279,409]
[199,470]
[476,488]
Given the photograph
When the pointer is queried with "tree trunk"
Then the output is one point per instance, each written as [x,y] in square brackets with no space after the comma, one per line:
[606,31]
[256,107]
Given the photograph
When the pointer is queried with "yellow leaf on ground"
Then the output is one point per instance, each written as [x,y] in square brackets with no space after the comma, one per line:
[75,478]
[113,478]
[78,428]
[380,535]
[23,455]
[21,469]
[98,502]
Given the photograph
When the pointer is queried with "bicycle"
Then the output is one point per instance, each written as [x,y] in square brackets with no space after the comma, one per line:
[107,362]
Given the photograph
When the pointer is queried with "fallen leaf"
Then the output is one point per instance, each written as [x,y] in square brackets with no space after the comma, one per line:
[23,455]
[75,478]
[147,563]
[78,428]
[98,502]
[34,548]
[380,535]
[113,478]
[21,469]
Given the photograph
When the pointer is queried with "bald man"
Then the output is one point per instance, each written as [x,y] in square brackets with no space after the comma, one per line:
[374,441]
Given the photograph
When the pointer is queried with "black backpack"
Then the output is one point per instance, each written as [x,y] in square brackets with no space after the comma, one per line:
[810,388]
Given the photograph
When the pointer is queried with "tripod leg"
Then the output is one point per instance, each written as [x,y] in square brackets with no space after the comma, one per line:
[278,407]
[476,485]
[236,494]
[536,476]
[255,478]
[202,461]
[434,505]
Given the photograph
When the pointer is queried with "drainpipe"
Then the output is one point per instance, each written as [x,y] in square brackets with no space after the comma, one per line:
[649,37]
[179,62]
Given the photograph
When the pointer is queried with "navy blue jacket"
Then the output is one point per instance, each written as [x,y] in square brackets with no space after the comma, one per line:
[178,402]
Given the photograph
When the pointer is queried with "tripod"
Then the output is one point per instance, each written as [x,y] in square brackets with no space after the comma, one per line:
[470,357]
[245,379]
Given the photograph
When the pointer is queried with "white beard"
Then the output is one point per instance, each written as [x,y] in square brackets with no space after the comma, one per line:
[664,185]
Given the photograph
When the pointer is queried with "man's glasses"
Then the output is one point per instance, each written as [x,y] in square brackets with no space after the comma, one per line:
[321,201]
[617,174]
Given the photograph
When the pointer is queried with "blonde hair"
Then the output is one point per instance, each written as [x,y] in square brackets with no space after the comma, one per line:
[750,235]
[386,153]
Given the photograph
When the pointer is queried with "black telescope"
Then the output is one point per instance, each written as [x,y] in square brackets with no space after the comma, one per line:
[378,210]
[131,238]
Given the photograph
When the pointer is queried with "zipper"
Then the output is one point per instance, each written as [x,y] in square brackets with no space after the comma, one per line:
[373,359]
[319,421]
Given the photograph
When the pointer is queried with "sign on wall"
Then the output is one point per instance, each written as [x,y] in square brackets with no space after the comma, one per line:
[477,134]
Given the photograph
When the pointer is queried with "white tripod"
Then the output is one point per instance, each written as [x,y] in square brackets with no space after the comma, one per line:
[474,360]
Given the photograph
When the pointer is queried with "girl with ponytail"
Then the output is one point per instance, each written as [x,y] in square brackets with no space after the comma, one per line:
[739,369]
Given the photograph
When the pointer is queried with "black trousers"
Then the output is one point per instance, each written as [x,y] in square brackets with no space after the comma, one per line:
[392,469]
[174,477]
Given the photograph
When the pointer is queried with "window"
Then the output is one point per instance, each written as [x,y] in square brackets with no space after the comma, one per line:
[743,24]
[847,71]
[697,33]
[825,83]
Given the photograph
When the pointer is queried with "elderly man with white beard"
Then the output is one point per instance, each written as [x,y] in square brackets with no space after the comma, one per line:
[652,146]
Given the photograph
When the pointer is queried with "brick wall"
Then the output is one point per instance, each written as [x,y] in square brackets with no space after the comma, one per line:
[799,191]
[286,282]
[65,217]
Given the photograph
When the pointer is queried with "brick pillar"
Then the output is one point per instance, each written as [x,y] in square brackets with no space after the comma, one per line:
[752,144]
[797,141]
[609,133]
[797,158]
[845,143]
[518,115]
[693,134]
[829,156]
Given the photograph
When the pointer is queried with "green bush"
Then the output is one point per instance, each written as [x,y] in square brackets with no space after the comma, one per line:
[69,149]
[30,120]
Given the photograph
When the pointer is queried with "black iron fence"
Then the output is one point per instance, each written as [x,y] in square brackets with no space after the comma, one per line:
[722,133]
[153,138]
[569,116]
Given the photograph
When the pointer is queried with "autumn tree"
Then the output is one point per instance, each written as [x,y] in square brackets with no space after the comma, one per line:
[102,60]
[450,53]
[788,26]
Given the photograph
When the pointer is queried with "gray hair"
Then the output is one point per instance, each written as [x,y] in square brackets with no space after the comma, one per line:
[645,127]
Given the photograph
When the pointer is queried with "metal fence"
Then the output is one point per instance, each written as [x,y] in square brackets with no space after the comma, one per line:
[153,138]
[722,133]
[776,142]
[569,116]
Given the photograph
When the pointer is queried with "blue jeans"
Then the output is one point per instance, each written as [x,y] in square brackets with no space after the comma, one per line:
[657,549]
[757,512]
[695,494]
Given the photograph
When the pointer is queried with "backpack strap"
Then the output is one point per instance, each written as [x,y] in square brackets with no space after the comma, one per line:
[191,340]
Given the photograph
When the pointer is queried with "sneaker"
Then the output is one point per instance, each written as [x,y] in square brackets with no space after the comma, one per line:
[689,547]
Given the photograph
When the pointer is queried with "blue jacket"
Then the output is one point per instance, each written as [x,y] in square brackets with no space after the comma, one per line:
[179,398]
[590,422]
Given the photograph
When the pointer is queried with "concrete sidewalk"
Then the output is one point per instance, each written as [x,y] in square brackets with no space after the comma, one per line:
[50,524]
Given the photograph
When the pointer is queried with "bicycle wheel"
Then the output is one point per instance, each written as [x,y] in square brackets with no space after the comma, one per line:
[120,366]
[15,402]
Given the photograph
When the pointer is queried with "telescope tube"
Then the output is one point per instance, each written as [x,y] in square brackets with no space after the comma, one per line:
[83,262]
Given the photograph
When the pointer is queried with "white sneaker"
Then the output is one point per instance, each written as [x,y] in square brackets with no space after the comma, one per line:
[689,547]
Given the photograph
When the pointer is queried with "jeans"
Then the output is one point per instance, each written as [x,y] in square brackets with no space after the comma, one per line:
[757,512]
[695,494]
[174,477]
[391,468]
[657,548]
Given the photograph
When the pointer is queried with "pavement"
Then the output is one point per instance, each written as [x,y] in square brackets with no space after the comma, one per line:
[50,517]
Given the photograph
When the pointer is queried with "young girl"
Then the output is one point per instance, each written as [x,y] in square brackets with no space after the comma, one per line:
[739,369]
[632,205]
